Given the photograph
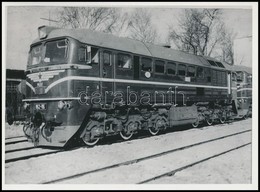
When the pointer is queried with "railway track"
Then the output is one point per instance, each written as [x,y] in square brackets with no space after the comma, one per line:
[156,155]
[19,149]
[173,172]
[24,157]
[15,137]
[16,140]
[24,153]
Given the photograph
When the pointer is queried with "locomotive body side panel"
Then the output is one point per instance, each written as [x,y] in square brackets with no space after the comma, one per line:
[93,85]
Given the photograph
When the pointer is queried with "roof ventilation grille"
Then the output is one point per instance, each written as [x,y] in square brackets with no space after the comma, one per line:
[166,46]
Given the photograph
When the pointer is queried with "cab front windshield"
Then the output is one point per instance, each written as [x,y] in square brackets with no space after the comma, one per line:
[52,52]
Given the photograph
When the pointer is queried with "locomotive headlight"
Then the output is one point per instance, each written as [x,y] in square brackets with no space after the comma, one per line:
[64,104]
[42,32]
[26,105]
[61,105]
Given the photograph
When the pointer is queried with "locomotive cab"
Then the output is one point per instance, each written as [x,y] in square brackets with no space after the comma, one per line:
[52,96]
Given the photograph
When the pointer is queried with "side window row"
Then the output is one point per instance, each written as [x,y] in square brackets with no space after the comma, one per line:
[171,68]
[124,61]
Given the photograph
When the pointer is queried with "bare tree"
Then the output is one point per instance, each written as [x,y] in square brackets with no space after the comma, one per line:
[227,46]
[140,26]
[197,31]
[94,18]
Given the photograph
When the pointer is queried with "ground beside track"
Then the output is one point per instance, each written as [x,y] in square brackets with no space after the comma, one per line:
[55,166]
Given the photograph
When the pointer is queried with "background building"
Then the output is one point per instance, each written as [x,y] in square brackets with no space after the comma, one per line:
[13,102]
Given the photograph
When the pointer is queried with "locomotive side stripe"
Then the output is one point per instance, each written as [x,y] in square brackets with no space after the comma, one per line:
[45,73]
[127,81]
[29,85]
[53,99]
[244,97]
[244,89]
[60,66]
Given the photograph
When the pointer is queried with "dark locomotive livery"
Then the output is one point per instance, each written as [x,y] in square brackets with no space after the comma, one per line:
[242,91]
[85,85]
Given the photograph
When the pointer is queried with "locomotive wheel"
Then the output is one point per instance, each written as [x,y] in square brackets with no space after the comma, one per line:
[209,121]
[88,141]
[222,119]
[126,133]
[126,136]
[196,123]
[157,126]
[153,130]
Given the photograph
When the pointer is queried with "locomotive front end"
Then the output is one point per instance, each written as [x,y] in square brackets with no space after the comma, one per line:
[53,111]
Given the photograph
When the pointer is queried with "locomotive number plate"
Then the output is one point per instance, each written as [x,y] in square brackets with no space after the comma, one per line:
[41,106]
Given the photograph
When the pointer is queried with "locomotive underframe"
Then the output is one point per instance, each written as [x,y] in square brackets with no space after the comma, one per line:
[124,120]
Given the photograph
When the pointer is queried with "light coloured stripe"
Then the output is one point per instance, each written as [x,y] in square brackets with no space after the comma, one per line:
[244,89]
[46,73]
[29,85]
[62,66]
[243,83]
[43,76]
[9,79]
[126,81]
[244,97]
[53,99]
[39,80]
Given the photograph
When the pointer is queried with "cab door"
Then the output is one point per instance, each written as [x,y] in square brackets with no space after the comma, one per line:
[107,76]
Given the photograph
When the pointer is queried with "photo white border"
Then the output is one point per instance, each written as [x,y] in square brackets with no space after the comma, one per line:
[231,5]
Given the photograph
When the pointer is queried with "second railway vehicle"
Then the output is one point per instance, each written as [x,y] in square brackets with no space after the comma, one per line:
[86,85]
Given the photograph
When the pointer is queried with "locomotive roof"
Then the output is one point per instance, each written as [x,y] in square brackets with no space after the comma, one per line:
[101,39]
[242,68]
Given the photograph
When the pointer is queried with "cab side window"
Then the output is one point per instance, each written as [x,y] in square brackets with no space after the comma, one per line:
[182,70]
[124,61]
[146,64]
[191,71]
[88,54]
[107,58]
[94,55]
[159,67]
[82,54]
[200,72]
[171,68]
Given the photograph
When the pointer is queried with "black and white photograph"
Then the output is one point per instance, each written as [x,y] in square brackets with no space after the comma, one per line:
[129,95]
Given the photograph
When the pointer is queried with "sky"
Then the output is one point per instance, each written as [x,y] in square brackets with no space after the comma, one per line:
[21,23]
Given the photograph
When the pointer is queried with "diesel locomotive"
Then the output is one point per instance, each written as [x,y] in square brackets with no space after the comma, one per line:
[86,85]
